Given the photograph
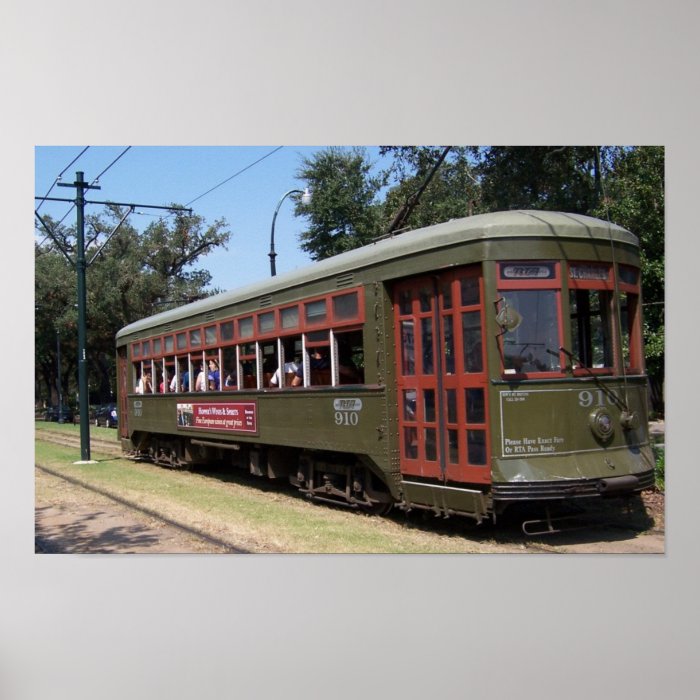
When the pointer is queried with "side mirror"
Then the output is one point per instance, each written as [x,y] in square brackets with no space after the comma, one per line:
[508,319]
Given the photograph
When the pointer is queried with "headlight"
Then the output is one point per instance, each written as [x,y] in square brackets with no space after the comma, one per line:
[601,424]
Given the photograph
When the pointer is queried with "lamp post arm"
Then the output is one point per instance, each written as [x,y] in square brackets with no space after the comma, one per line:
[272,254]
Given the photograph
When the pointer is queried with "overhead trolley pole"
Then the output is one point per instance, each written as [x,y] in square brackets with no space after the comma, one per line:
[81,266]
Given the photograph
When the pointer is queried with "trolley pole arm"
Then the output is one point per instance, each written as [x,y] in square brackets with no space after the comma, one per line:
[413,199]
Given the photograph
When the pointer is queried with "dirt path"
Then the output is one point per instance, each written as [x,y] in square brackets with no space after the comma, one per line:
[71,519]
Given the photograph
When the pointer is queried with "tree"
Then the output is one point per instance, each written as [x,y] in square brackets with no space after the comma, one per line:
[453,192]
[135,275]
[344,212]
[556,178]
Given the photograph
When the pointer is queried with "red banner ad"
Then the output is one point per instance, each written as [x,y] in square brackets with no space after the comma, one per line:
[240,417]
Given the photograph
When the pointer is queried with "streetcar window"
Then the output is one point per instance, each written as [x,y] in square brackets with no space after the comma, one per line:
[447,296]
[181,341]
[345,306]
[315,311]
[210,335]
[405,299]
[631,351]
[476,446]
[409,404]
[169,343]
[182,374]
[476,411]
[248,366]
[270,361]
[451,396]
[317,361]
[628,275]
[146,348]
[136,350]
[351,357]
[229,374]
[453,446]
[471,341]
[426,299]
[533,344]
[169,376]
[245,327]
[449,346]
[427,344]
[156,346]
[430,445]
[195,338]
[266,322]
[429,405]
[226,331]
[470,290]
[591,327]
[289,317]
[410,442]
[408,344]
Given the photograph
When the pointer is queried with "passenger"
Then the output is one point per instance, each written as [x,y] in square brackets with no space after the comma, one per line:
[230,379]
[165,383]
[214,376]
[144,385]
[289,368]
[173,383]
[200,378]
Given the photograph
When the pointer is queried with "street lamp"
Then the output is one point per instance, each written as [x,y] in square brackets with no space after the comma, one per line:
[305,199]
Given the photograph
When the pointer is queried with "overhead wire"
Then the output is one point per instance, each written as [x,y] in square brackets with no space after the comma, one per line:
[60,175]
[95,180]
[223,182]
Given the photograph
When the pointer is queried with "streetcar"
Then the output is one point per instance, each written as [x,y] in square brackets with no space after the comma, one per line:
[458,368]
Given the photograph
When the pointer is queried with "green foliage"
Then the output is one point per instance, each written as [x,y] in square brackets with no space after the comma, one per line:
[453,192]
[134,276]
[558,178]
[343,213]
[660,467]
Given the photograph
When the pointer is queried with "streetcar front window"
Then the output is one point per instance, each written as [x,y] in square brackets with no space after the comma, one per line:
[533,345]
[591,327]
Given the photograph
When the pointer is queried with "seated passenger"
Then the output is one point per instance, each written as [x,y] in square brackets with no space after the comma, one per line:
[289,368]
[213,376]
[144,386]
[230,379]
[200,378]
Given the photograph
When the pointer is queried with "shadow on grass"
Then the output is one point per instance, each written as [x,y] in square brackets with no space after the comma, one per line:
[584,521]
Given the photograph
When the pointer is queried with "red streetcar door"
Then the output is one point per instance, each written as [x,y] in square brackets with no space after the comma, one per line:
[441,376]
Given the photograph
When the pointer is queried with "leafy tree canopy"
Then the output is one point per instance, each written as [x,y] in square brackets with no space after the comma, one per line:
[135,275]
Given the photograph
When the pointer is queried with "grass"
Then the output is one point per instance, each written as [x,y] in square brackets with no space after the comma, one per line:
[254,518]
[660,467]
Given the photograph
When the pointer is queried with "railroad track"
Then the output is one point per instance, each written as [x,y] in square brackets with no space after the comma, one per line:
[109,447]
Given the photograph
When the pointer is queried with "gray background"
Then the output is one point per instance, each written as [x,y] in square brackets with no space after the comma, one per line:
[366,72]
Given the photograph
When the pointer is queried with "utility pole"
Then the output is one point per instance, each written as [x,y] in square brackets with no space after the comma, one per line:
[81,266]
[83,391]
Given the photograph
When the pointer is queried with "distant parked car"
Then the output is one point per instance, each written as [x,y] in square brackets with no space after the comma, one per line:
[107,415]
[65,415]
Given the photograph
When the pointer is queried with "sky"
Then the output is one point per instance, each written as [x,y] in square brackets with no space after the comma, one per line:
[162,175]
